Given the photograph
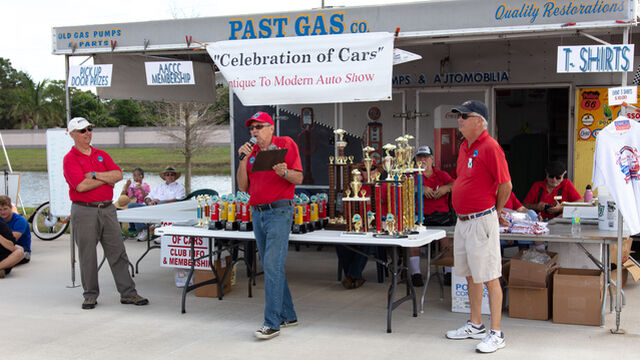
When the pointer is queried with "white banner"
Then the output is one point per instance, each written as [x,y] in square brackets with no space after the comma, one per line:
[618,95]
[170,73]
[402,56]
[307,69]
[595,58]
[175,252]
[90,75]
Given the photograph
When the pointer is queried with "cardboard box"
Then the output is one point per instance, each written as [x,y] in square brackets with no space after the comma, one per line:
[529,303]
[583,210]
[460,295]
[211,290]
[577,296]
[529,274]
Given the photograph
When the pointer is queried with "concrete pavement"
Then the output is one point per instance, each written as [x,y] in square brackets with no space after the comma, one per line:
[42,319]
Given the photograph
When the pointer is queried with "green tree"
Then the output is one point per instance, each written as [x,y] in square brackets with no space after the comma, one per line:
[34,105]
[89,106]
[10,79]
[127,112]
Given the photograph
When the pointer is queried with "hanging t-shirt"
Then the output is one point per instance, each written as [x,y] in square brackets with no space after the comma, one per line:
[616,164]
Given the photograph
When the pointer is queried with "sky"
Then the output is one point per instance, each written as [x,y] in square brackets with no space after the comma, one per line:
[25,25]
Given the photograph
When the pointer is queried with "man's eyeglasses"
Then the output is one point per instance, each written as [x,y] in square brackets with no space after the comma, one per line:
[170,174]
[465,116]
[257,127]
[88,128]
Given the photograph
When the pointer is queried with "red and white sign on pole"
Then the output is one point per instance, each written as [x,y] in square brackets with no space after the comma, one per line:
[307,69]
[176,252]
[618,95]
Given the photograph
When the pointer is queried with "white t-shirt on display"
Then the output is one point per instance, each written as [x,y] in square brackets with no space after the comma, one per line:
[616,164]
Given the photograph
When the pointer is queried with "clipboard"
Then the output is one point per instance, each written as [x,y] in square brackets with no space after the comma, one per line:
[266,159]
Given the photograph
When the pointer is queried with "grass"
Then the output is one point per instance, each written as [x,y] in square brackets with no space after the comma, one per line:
[212,160]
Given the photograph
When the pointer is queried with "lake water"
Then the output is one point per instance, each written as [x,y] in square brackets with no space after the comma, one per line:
[34,186]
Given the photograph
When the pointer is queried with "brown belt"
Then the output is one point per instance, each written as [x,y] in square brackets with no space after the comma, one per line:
[99,204]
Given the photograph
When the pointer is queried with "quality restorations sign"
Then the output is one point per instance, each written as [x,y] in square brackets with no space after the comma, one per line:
[170,73]
[298,70]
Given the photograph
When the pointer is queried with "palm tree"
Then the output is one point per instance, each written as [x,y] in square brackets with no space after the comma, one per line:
[35,105]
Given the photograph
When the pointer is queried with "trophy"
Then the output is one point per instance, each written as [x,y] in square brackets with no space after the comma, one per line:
[390,224]
[357,223]
[370,218]
[355,183]
[388,160]
[368,161]
[232,223]
[330,160]
[340,144]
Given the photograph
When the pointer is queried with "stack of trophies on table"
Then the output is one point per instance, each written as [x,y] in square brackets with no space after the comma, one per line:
[403,186]
[346,207]
[231,212]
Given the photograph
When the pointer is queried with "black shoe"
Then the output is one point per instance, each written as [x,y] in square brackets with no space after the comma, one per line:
[89,303]
[417,281]
[289,323]
[266,333]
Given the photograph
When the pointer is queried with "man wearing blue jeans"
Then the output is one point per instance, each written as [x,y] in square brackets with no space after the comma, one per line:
[271,194]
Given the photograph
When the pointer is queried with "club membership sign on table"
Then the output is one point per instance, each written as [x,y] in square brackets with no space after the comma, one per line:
[176,252]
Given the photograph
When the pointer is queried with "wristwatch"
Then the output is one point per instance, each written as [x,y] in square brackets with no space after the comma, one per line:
[93,174]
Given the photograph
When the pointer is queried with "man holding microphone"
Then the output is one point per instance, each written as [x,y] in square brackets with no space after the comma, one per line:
[272,210]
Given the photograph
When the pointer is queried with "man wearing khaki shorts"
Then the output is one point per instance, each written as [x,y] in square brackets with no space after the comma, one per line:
[480,191]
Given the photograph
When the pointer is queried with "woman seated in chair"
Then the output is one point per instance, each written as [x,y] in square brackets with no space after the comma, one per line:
[353,263]
[542,195]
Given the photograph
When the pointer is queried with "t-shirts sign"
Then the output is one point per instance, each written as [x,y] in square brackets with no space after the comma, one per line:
[307,69]
[595,58]
[170,73]
[90,75]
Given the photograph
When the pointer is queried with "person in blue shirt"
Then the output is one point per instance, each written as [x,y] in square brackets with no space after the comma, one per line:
[19,226]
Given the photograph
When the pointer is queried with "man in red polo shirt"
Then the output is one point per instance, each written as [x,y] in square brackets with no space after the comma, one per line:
[272,211]
[480,191]
[91,175]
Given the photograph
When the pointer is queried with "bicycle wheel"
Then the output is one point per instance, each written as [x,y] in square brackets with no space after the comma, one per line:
[46,226]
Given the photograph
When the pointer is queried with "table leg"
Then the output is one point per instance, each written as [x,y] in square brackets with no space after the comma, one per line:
[186,287]
[394,283]
[411,291]
[427,278]
[149,247]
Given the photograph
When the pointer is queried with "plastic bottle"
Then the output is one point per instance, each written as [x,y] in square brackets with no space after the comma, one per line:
[575,224]
[588,194]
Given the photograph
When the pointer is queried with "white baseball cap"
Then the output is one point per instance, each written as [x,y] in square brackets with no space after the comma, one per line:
[78,123]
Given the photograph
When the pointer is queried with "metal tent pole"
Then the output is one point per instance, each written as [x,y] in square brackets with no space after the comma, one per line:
[617,330]
[72,245]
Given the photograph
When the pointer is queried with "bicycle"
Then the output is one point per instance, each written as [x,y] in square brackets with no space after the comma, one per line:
[46,226]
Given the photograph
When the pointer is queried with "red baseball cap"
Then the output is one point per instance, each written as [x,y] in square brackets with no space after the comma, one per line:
[259,117]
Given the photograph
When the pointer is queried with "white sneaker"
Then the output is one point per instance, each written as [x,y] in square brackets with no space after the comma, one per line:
[467,331]
[491,343]
[142,235]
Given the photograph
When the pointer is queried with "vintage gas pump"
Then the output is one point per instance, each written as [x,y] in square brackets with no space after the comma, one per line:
[374,133]
[447,139]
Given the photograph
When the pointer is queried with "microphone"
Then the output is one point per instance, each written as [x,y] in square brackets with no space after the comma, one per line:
[252,141]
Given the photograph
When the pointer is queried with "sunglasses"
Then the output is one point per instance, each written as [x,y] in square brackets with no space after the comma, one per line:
[257,127]
[170,174]
[88,128]
[559,177]
[466,116]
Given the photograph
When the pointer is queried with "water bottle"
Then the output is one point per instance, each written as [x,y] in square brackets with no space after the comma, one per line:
[588,194]
[575,225]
